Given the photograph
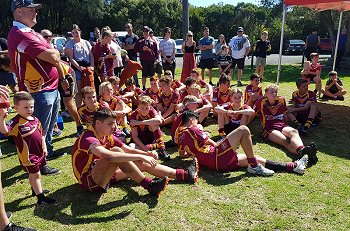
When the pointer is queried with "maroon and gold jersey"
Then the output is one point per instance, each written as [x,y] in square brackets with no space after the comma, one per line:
[112,103]
[176,84]
[270,114]
[28,138]
[136,115]
[193,141]
[153,95]
[134,99]
[235,119]
[183,94]
[300,100]
[221,97]
[82,158]
[167,100]
[86,115]
[251,89]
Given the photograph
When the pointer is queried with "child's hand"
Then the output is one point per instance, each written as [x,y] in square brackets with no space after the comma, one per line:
[153,154]
[149,160]
[134,123]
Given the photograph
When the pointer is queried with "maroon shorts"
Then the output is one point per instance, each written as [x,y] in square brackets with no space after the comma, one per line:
[226,157]
[276,126]
[146,136]
[88,184]
[37,164]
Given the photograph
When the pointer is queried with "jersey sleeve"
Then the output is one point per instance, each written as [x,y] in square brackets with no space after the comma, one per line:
[32,45]
[199,134]
[175,98]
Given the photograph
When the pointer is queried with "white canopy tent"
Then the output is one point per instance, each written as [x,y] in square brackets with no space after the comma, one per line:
[317,5]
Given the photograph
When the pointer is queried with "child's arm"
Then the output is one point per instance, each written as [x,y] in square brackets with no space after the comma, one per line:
[170,110]
[129,149]
[220,110]
[3,115]
[228,66]
[157,120]
[44,146]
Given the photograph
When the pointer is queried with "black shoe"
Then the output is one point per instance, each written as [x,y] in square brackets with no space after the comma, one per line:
[211,83]
[193,171]
[313,159]
[303,130]
[340,97]
[126,131]
[239,83]
[47,170]
[42,199]
[55,155]
[157,186]
[305,151]
[170,144]
[9,214]
[80,130]
[163,154]
[45,191]
[14,227]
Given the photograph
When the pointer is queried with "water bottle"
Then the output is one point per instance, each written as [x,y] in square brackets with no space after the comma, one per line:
[60,124]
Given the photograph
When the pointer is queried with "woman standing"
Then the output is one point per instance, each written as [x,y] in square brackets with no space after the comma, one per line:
[221,41]
[80,55]
[189,60]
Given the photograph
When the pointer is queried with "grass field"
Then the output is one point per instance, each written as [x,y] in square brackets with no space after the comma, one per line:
[318,200]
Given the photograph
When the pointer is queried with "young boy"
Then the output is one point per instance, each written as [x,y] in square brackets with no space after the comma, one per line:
[271,110]
[305,110]
[115,104]
[154,90]
[145,131]
[312,72]
[334,87]
[225,61]
[209,92]
[221,94]
[115,85]
[99,157]
[30,142]
[223,156]
[131,93]
[253,91]
[262,46]
[167,100]
[233,115]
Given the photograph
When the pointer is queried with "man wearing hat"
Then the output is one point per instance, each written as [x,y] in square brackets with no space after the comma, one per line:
[240,47]
[38,69]
[148,50]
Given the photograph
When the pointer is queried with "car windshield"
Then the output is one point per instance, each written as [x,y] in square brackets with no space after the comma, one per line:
[178,41]
[296,42]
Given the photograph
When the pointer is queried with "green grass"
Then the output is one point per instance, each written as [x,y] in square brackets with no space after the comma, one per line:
[318,200]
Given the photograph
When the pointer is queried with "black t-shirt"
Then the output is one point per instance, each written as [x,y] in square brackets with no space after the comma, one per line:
[333,89]
[261,48]
[129,40]
[3,47]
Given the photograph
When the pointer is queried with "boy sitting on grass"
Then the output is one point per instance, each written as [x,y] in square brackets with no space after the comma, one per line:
[253,91]
[30,142]
[145,131]
[312,72]
[334,87]
[98,157]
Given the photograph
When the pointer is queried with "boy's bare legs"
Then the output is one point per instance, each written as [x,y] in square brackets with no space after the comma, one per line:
[202,73]
[4,221]
[210,74]
[35,182]
[241,136]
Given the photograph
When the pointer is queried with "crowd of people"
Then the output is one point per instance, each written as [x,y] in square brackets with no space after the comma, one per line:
[119,132]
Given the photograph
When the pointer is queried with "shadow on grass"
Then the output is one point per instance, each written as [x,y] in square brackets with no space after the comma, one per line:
[84,207]
[221,178]
[10,176]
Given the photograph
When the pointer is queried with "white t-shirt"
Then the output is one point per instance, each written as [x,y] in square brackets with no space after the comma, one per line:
[238,46]
[116,49]
[167,46]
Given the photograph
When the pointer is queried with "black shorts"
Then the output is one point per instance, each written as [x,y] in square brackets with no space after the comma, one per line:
[239,62]
[70,91]
[158,68]
[7,78]
[147,69]
[230,127]
[206,63]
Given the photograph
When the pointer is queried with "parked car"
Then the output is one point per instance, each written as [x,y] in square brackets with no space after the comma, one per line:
[178,47]
[325,45]
[118,36]
[294,46]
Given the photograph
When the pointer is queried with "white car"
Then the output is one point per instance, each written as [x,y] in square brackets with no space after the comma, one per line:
[178,47]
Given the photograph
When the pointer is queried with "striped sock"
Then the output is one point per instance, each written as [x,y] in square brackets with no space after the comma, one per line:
[145,182]
[181,174]
[308,123]
[159,139]
[252,162]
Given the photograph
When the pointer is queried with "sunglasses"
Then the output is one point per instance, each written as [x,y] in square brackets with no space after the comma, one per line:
[47,36]
[189,35]
[127,27]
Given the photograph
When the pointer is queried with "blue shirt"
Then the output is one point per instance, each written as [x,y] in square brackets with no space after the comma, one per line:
[206,54]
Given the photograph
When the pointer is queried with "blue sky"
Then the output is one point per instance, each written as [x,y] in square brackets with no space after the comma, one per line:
[211,2]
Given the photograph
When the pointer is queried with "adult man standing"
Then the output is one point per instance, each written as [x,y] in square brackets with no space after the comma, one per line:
[168,51]
[128,43]
[312,43]
[38,69]
[148,50]
[240,47]
[343,38]
[206,45]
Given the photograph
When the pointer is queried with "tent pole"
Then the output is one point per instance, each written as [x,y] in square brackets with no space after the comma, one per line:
[281,43]
[337,42]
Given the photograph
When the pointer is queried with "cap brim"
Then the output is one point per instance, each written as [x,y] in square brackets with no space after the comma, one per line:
[36,6]
[197,101]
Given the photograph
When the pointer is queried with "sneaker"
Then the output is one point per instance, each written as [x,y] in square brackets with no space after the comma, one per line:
[45,201]
[163,154]
[157,186]
[126,132]
[340,97]
[170,144]
[9,214]
[193,171]
[47,170]
[80,130]
[305,151]
[211,83]
[260,170]
[57,132]
[65,114]
[14,227]
[55,155]
[45,191]
[301,165]
[239,83]
[303,130]
[313,159]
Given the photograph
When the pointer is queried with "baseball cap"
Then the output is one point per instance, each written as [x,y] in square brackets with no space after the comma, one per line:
[240,29]
[146,28]
[24,3]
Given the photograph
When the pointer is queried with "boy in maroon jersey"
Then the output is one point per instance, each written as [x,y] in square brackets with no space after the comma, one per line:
[305,110]
[115,104]
[131,93]
[223,156]
[209,92]
[145,131]
[221,94]
[30,142]
[312,72]
[168,100]
[90,106]
[271,109]
[233,115]
[253,91]
[99,157]
[154,90]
